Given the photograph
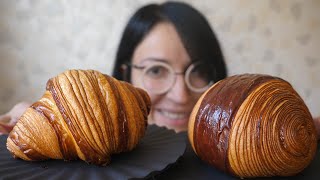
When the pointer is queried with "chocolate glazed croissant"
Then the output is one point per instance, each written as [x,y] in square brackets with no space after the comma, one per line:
[83,114]
[253,125]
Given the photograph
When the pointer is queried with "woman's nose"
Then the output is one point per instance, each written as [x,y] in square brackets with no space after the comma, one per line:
[179,91]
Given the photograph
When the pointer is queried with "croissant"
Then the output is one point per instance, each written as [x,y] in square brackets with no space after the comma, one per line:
[253,125]
[82,115]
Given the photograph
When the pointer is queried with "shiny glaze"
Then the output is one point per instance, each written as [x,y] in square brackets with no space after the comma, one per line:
[253,125]
[215,116]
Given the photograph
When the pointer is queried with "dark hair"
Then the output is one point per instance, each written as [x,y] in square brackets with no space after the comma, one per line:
[194,30]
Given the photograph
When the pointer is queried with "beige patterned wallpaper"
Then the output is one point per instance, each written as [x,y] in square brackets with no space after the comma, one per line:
[41,38]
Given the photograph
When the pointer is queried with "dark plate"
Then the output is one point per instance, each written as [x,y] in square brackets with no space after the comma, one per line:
[189,166]
[159,149]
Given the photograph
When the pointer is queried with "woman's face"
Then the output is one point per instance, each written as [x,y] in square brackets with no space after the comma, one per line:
[163,45]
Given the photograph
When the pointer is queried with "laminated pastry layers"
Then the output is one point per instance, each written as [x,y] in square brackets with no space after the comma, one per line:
[253,125]
[83,114]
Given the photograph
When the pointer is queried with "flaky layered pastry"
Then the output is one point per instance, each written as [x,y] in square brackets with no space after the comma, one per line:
[82,114]
[253,125]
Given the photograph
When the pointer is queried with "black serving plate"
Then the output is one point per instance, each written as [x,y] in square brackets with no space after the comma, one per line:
[157,151]
[189,166]
[158,156]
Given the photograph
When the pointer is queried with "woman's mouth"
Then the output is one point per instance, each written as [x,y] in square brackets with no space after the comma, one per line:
[174,115]
[173,120]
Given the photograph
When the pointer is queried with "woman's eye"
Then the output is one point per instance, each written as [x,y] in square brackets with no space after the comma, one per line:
[157,72]
[200,73]
[196,72]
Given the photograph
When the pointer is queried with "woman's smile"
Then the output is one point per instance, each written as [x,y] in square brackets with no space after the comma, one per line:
[173,119]
[173,115]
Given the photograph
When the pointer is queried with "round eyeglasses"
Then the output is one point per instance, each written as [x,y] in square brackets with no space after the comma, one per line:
[159,77]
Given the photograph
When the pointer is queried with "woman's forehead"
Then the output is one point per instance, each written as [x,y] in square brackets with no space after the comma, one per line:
[171,62]
[162,43]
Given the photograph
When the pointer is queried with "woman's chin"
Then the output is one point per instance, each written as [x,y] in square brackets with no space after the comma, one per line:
[175,124]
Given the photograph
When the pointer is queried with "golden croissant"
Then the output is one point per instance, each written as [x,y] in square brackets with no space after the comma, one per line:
[253,125]
[82,114]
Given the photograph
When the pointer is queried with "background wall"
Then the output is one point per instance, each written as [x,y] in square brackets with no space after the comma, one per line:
[41,38]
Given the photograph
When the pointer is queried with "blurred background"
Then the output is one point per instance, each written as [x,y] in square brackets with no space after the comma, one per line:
[42,38]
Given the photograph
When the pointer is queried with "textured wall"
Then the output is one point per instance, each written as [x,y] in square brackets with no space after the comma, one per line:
[41,38]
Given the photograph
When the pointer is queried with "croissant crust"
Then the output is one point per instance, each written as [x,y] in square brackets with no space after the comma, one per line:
[82,114]
[253,125]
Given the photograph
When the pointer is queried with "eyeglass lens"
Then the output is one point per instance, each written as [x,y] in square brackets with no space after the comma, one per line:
[198,76]
[158,78]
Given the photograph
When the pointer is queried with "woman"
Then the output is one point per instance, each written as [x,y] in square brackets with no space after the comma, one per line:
[170,51]
[163,49]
